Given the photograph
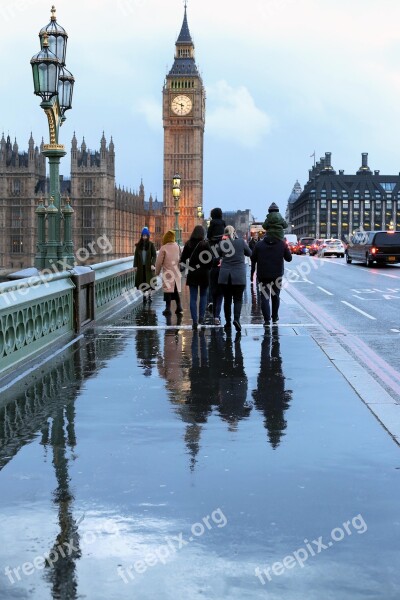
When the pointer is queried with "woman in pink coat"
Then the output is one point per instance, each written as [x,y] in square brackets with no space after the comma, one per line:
[168,262]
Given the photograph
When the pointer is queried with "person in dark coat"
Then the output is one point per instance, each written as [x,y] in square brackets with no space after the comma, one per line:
[275,224]
[217,226]
[214,235]
[269,256]
[232,275]
[252,245]
[145,263]
[197,257]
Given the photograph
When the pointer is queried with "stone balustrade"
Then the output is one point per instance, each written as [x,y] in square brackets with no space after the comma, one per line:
[39,311]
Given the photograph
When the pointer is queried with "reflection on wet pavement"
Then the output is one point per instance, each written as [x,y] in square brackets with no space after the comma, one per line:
[165,463]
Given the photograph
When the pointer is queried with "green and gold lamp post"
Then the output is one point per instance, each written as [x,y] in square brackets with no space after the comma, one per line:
[176,192]
[54,84]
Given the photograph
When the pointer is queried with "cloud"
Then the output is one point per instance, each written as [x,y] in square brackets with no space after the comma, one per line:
[151,110]
[233,115]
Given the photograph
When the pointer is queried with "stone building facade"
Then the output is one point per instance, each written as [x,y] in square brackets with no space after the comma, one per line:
[335,204]
[107,220]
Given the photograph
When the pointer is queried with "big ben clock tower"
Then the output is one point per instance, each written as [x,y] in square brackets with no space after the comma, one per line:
[184,122]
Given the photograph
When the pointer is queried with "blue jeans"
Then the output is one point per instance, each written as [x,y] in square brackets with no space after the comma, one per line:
[194,293]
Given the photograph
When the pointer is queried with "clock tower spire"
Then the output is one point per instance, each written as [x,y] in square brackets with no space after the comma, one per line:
[184,124]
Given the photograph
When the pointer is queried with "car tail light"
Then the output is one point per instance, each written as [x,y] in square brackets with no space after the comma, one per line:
[374,250]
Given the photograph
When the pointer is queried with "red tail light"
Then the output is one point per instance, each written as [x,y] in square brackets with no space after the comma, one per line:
[374,250]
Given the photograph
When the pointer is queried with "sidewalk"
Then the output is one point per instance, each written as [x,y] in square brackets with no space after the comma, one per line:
[229,450]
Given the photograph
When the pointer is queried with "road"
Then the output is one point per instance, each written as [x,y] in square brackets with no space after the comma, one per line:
[360,301]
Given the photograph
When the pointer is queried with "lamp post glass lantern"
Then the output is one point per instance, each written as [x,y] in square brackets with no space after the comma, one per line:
[176,192]
[54,84]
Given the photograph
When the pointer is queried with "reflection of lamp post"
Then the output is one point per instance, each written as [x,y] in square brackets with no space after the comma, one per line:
[176,192]
[391,226]
[54,84]
[200,214]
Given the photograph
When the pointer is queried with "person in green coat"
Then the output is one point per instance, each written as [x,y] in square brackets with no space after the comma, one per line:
[275,224]
[145,263]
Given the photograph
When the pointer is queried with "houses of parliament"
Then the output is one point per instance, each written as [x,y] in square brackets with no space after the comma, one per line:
[101,208]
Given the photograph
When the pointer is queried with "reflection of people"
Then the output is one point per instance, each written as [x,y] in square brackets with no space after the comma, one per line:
[144,262]
[147,342]
[270,397]
[198,256]
[232,276]
[269,256]
[168,262]
[233,384]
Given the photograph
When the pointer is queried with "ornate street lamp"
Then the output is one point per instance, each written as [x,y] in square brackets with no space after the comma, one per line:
[176,192]
[54,84]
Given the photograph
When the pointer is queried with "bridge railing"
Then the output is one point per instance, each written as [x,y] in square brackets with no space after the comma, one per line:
[38,311]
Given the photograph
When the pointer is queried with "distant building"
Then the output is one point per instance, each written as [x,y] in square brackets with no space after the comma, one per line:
[101,208]
[240,220]
[296,192]
[335,204]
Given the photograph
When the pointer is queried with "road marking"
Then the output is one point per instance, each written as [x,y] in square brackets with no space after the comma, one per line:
[395,330]
[324,290]
[358,310]
[359,297]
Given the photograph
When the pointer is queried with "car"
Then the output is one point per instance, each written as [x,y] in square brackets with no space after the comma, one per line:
[292,247]
[315,247]
[331,247]
[369,247]
[304,245]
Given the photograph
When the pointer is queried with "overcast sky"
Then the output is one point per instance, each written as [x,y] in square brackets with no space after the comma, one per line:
[283,77]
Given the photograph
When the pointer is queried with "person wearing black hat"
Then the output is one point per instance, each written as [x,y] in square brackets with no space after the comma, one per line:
[145,263]
[275,224]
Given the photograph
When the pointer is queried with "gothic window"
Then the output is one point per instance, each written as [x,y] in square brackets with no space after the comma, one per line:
[17,244]
[16,218]
[16,187]
[87,217]
[88,187]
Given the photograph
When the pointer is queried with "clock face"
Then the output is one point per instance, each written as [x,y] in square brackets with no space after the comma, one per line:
[182,105]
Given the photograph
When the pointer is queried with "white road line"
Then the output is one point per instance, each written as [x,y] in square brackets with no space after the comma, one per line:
[358,310]
[324,290]
[395,330]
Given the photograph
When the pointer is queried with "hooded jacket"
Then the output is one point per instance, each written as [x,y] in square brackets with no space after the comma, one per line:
[269,256]
[275,225]
[217,226]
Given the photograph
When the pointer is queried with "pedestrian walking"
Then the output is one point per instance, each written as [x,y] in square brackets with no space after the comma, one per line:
[214,236]
[252,245]
[215,232]
[145,264]
[198,258]
[168,261]
[270,255]
[232,276]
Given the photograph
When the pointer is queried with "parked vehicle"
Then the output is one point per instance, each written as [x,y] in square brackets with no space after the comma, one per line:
[369,247]
[332,247]
[304,245]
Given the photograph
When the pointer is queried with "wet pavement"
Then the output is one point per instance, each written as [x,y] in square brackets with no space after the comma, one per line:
[152,462]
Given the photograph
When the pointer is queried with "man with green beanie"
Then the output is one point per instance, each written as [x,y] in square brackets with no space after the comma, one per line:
[275,224]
